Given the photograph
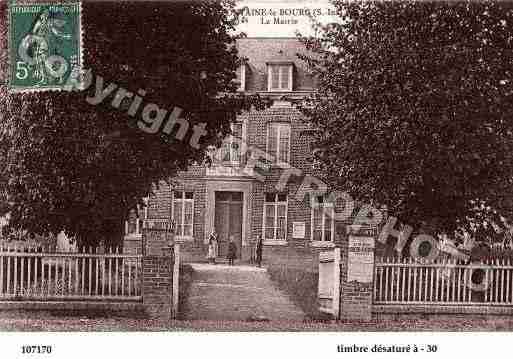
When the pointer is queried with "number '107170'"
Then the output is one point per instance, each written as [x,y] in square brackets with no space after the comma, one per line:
[36,349]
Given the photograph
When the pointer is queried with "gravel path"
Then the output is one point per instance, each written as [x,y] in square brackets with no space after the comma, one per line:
[238,293]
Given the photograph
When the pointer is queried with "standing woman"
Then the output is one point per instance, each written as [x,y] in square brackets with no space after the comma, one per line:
[212,247]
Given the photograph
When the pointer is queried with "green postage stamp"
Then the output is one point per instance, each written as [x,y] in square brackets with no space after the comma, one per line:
[45,45]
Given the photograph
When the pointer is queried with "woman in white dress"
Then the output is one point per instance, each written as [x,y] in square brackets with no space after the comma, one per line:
[212,247]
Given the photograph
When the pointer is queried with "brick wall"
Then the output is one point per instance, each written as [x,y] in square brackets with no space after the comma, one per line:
[193,251]
[159,203]
[257,123]
[132,245]
[292,256]
[157,286]
[355,297]
[297,252]
[157,274]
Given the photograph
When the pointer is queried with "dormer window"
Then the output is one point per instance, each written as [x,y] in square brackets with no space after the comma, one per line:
[279,76]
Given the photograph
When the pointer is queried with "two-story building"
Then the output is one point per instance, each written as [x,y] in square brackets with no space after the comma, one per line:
[236,201]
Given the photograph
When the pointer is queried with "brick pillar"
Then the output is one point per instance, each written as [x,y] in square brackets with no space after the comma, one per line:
[157,273]
[357,272]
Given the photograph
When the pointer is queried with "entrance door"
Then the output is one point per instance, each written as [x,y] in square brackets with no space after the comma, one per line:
[228,220]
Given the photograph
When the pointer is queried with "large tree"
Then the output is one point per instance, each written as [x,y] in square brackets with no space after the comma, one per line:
[415,109]
[68,165]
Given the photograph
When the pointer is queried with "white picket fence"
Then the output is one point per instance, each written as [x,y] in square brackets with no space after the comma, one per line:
[26,274]
[443,282]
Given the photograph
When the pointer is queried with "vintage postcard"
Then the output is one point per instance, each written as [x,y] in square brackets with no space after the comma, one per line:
[256,166]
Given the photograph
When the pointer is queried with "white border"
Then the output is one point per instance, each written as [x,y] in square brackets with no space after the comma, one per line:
[257,345]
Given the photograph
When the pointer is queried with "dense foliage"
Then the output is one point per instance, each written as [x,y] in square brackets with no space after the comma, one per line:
[414,109]
[69,165]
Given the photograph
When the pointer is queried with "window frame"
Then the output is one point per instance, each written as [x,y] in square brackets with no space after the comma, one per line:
[231,139]
[275,204]
[183,200]
[327,206]
[281,66]
[269,129]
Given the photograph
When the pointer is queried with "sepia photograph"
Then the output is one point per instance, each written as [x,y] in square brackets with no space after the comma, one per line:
[256,166]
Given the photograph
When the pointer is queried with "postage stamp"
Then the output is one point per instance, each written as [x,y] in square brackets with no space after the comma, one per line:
[45,45]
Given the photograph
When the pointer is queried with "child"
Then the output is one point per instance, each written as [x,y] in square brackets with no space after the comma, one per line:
[232,251]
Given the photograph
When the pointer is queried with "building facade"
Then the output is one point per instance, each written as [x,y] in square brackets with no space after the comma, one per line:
[246,201]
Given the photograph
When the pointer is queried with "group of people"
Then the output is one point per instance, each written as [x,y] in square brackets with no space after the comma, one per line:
[231,255]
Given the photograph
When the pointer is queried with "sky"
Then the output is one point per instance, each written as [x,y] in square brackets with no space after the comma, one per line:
[282,18]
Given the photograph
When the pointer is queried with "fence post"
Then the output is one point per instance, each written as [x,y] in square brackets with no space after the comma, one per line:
[176,274]
[336,285]
[157,273]
[357,272]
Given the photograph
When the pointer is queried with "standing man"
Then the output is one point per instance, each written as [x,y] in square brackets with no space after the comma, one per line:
[232,251]
[259,248]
